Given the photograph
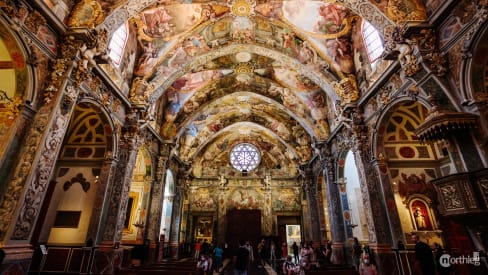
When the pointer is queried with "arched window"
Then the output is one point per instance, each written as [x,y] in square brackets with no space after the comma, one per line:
[117,44]
[372,42]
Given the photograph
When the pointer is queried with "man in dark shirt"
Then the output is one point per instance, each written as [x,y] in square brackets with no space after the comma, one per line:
[424,256]
[241,259]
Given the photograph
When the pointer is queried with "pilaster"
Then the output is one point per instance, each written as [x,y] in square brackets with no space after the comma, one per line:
[157,196]
[336,220]
[107,253]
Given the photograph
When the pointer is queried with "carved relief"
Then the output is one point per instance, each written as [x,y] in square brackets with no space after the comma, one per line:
[36,190]
[469,194]
[483,185]
[414,184]
[451,198]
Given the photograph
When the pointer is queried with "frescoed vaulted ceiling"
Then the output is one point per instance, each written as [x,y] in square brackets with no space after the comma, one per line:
[219,73]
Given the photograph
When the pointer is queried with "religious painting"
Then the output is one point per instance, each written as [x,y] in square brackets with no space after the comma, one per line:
[61,8]
[286,199]
[202,199]
[421,215]
[245,199]
[203,228]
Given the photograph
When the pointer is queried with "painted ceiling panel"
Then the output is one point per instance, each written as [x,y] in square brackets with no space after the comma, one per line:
[238,107]
[275,154]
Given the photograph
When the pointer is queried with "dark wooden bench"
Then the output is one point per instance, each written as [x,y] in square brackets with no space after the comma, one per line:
[333,272]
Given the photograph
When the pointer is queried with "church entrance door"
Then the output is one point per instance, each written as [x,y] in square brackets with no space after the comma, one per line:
[243,225]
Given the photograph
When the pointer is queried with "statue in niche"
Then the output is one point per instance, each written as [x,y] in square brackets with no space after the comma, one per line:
[420,213]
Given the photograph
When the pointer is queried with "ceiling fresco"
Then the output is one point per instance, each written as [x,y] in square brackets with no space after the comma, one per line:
[218,73]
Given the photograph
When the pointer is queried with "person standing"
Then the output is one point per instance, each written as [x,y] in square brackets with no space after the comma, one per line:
[197,250]
[423,256]
[262,253]
[218,252]
[272,250]
[356,253]
[295,252]
[241,259]
[284,250]
[438,252]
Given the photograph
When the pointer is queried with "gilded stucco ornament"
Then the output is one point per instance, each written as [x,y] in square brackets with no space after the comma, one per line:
[59,68]
[347,89]
[11,106]
[139,91]
[437,63]
[242,7]
[87,13]
[406,10]
[401,48]
[33,21]
[88,53]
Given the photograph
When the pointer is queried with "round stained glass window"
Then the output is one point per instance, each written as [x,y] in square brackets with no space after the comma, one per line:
[245,157]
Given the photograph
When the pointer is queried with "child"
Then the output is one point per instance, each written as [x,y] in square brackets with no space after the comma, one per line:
[289,267]
[202,265]
[366,267]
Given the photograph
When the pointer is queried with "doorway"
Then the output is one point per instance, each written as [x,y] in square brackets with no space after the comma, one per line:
[243,225]
[284,223]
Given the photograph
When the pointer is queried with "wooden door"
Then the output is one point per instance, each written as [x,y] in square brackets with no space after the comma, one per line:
[243,225]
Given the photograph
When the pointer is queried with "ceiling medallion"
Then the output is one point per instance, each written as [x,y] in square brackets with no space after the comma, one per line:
[242,7]
[243,57]
[243,68]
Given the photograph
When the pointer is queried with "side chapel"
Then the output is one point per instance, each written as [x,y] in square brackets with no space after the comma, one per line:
[128,123]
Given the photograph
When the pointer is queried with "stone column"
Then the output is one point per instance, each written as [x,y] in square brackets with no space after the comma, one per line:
[106,174]
[336,221]
[157,198]
[108,251]
[376,208]
[174,232]
[388,195]
[311,195]
[221,209]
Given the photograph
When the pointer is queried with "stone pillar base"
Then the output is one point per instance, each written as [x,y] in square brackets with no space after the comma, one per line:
[107,258]
[174,250]
[384,258]
[17,259]
[337,256]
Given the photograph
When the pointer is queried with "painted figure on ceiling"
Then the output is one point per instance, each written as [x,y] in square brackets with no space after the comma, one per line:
[331,18]
[341,53]
[158,23]
[147,59]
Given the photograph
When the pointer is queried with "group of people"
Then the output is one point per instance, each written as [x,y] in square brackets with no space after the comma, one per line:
[306,256]
[209,258]
[362,259]
[427,260]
